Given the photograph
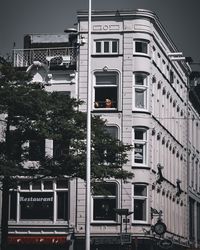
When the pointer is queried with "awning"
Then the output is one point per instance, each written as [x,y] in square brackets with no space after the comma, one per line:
[38,239]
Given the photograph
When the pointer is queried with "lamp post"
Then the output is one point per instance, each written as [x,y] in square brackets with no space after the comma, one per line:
[88,140]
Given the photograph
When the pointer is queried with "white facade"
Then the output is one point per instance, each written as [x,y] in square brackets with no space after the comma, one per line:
[150,111]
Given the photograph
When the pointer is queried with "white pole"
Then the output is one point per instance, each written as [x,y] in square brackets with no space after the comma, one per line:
[88,163]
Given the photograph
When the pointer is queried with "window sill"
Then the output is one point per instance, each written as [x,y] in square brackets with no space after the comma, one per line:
[139,223]
[106,55]
[140,167]
[110,223]
[102,110]
[141,54]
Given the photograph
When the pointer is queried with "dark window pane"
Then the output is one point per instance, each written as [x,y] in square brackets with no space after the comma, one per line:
[114,47]
[57,149]
[113,131]
[62,184]
[139,209]
[36,185]
[140,190]
[106,79]
[36,149]
[105,189]
[141,47]
[62,205]
[103,93]
[104,209]
[171,76]
[139,134]
[139,79]
[192,219]
[36,206]
[106,47]
[98,47]
[24,185]
[13,206]
[48,184]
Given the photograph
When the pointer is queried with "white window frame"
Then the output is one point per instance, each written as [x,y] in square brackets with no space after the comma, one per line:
[54,190]
[143,42]
[142,142]
[140,197]
[141,88]
[100,103]
[103,43]
[116,197]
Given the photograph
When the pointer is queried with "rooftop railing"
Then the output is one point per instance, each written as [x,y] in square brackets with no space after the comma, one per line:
[26,57]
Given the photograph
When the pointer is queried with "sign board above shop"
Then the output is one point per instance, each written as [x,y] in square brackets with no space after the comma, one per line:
[165,243]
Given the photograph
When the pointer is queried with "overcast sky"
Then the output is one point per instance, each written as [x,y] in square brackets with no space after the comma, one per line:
[181,19]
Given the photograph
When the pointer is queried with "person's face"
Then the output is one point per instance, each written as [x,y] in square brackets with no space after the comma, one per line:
[108,103]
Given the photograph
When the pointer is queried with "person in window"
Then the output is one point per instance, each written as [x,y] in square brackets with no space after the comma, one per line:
[96,105]
[108,103]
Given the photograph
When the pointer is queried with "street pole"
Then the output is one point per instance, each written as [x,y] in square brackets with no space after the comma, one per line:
[88,140]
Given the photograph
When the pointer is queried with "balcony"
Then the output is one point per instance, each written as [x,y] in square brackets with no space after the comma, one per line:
[62,57]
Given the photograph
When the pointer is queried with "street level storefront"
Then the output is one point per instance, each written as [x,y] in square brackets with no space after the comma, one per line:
[136,243]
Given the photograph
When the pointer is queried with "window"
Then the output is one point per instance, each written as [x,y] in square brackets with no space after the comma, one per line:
[106,47]
[104,202]
[36,149]
[171,76]
[113,131]
[106,90]
[39,201]
[191,218]
[139,202]
[140,145]
[141,46]
[140,90]
[57,150]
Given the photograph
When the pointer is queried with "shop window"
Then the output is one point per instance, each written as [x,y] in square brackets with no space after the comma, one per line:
[140,146]
[35,204]
[62,205]
[106,90]
[106,47]
[105,202]
[140,202]
[141,46]
[140,90]
[13,205]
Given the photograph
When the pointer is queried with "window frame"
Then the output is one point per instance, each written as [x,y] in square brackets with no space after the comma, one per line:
[55,190]
[105,197]
[143,142]
[142,43]
[102,45]
[99,102]
[142,198]
[141,88]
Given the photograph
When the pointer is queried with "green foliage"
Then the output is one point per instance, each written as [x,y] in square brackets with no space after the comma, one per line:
[28,112]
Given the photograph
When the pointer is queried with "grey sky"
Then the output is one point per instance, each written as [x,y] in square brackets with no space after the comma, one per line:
[181,19]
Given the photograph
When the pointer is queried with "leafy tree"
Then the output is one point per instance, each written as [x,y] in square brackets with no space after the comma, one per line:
[30,114]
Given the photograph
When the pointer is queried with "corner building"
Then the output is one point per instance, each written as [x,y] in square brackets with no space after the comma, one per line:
[143,93]
[131,66]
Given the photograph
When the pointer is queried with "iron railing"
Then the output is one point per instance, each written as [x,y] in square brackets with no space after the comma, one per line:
[26,57]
